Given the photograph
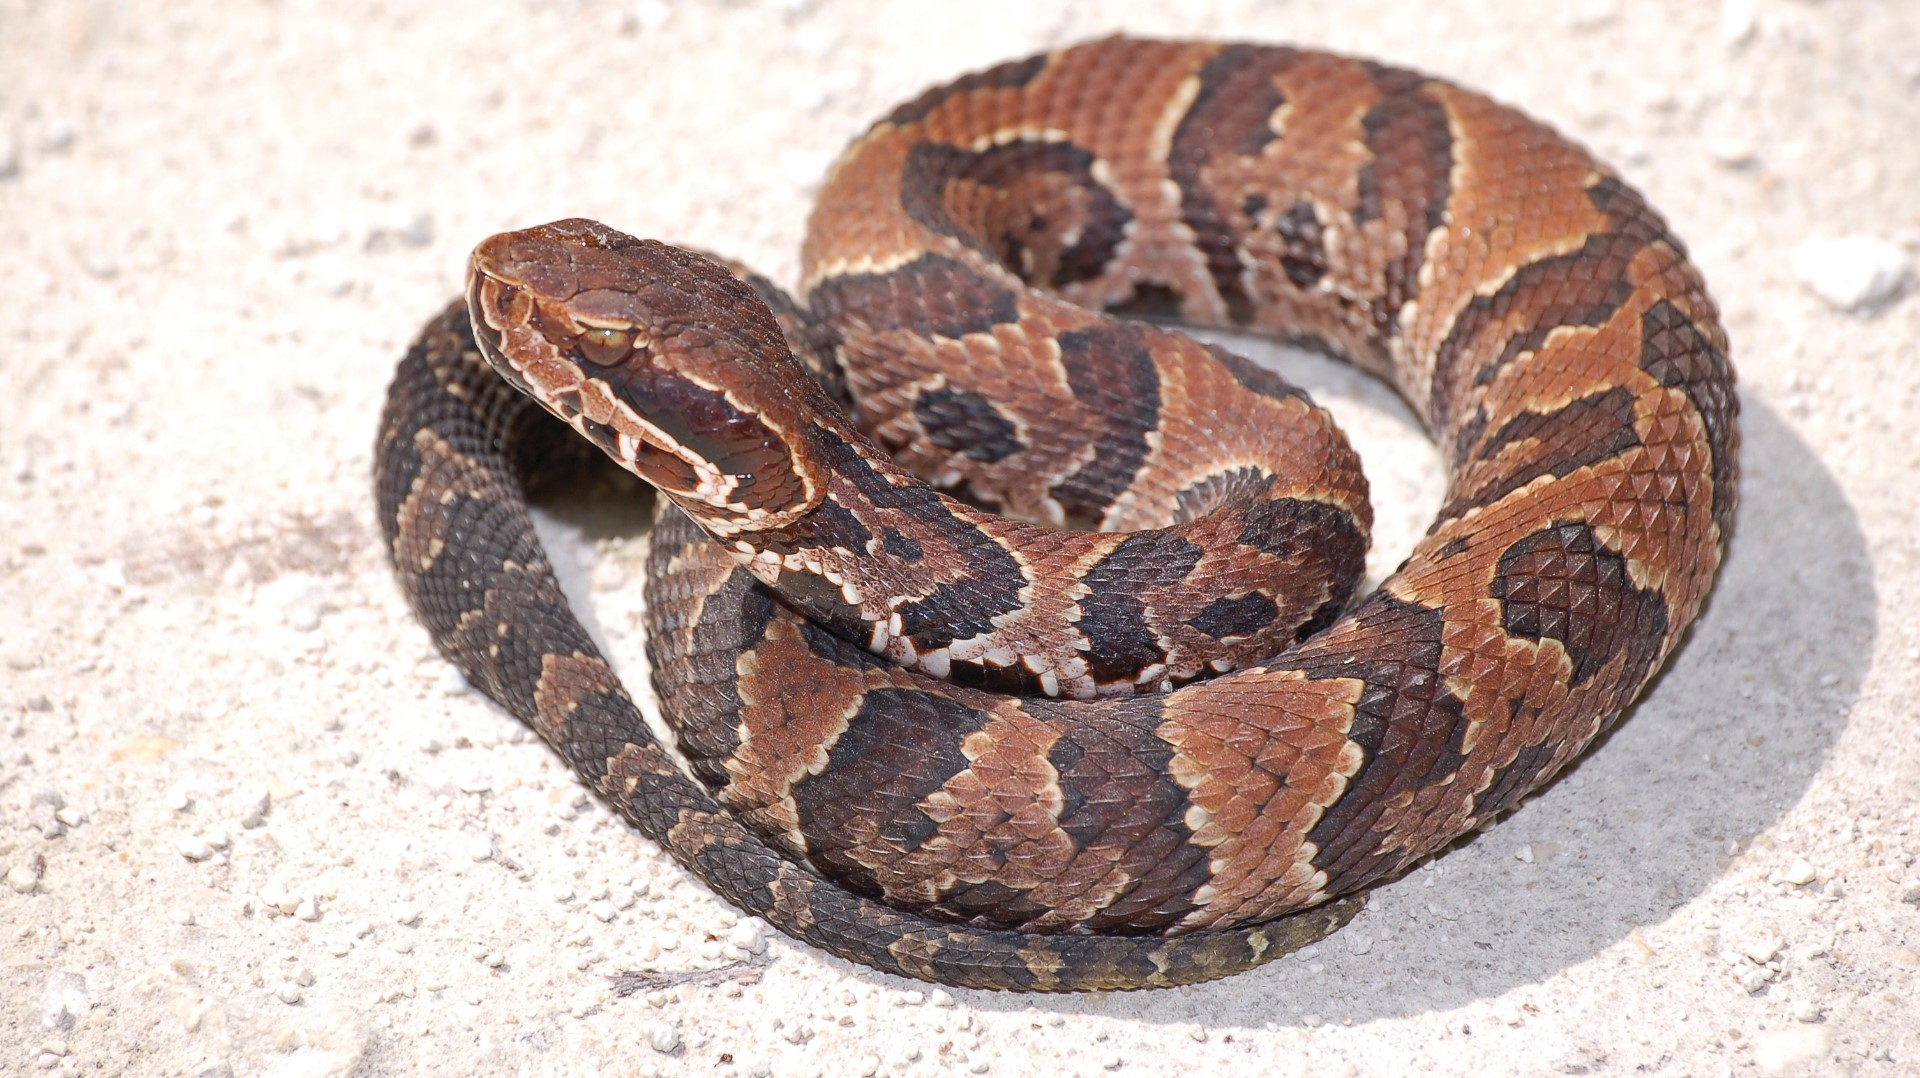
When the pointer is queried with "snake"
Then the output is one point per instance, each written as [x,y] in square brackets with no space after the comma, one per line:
[1009,636]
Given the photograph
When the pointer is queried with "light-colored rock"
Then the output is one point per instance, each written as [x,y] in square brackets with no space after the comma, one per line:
[1853,273]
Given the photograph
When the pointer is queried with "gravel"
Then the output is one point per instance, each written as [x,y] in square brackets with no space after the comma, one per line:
[250,823]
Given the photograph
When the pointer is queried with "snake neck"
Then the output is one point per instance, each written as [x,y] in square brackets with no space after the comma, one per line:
[889,563]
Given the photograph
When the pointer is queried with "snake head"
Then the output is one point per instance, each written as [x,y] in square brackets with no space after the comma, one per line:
[662,358]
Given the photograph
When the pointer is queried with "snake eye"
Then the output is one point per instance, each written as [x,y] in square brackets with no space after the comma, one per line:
[605,347]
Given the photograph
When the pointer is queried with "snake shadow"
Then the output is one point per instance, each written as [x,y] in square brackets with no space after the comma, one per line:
[1725,740]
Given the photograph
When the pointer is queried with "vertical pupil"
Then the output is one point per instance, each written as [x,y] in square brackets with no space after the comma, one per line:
[605,346]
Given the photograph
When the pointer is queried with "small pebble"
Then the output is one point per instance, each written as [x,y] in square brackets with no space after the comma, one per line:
[255,812]
[1808,1010]
[1754,978]
[20,654]
[651,14]
[178,799]
[99,262]
[1591,15]
[1852,273]
[1777,1051]
[480,847]
[59,137]
[289,993]
[416,232]
[1737,21]
[603,911]
[26,875]
[308,909]
[194,847]
[419,230]
[747,936]
[276,896]
[1799,874]
[408,915]
[1762,948]
[64,1000]
[663,1038]
[804,169]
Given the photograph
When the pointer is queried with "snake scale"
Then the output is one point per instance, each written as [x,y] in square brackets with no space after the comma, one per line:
[1006,753]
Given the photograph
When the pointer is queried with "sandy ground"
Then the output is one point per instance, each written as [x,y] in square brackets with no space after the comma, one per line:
[250,823]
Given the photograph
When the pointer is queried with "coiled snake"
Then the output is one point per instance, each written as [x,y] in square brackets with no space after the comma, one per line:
[1161,752]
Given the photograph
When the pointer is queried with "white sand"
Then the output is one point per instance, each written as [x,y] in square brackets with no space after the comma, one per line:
[249,822]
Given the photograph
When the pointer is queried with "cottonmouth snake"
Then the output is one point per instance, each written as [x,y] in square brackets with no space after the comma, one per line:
[1076,806]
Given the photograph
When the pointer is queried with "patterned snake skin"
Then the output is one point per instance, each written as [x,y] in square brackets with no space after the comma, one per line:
[997,754]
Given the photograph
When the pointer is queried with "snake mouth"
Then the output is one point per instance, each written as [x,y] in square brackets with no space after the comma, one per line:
[562,313]
[564,385]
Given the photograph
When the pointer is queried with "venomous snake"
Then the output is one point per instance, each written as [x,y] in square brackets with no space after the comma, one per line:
[1012,755]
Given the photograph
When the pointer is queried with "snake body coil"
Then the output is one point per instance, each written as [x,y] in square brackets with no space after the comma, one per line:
[994,754]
